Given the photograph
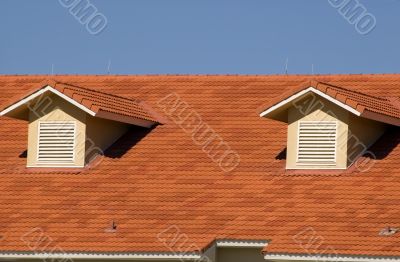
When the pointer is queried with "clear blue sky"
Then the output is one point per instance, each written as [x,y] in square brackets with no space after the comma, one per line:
[198,37]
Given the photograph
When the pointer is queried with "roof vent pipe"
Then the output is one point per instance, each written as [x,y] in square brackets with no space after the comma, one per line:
[112,228]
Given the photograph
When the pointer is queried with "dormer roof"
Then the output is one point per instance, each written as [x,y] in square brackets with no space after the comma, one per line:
[94,102]
[382,109]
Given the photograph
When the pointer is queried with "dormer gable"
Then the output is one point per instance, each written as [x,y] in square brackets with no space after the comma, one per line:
[329,127]
[70,125]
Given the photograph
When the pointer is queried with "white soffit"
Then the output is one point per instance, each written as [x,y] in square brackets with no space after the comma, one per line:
[42,91]
[305,91]
[114,256]
[333,257]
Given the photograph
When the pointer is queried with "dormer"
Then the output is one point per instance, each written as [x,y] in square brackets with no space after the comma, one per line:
[69,126]
[329,127]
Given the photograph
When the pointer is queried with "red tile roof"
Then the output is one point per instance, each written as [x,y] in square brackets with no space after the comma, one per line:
[153,179]
[94,100]
[385,109]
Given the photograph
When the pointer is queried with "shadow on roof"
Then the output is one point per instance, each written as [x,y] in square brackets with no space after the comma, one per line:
[24,154]
[385,144]
[127,141]
[281,155]
[380,149]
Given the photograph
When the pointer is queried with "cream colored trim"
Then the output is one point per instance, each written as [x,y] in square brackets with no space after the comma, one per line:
[116,256]
[41,91]
[305,91]
[241,243]
[332,257]
[55,166]
[309,167]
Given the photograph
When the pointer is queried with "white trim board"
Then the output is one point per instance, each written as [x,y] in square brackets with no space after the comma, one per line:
[333,257]
[40,92]
[241,243]
[117,256]
[305,91]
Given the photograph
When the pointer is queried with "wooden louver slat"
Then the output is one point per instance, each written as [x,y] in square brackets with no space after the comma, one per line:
[317,142]
[56,142]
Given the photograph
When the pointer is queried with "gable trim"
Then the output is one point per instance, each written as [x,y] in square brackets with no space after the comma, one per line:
[305,91]
[40,92]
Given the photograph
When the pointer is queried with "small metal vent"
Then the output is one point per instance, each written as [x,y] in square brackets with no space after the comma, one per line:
[317,142]
[56,142]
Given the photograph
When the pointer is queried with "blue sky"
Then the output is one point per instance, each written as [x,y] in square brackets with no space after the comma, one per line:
[198,37]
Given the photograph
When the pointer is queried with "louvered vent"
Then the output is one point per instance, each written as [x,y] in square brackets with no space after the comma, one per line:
[56,142]
[317,142]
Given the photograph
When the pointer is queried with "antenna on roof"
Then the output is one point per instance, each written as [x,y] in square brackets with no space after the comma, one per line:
[109,67]
[312,69]
[112,228]
[52,69]
[286,66]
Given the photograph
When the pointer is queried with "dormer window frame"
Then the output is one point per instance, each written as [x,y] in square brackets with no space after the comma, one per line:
[42,163]
[315,162]
[354,112]
[87,107]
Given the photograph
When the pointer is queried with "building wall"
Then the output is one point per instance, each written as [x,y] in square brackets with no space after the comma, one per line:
[54,108]
[317,109]
[93,135]
[95,260]
[362,134]
[101,134]
[239,255]
[227,256]
[217,255]
[355,134]
[224,255]
[210,254]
